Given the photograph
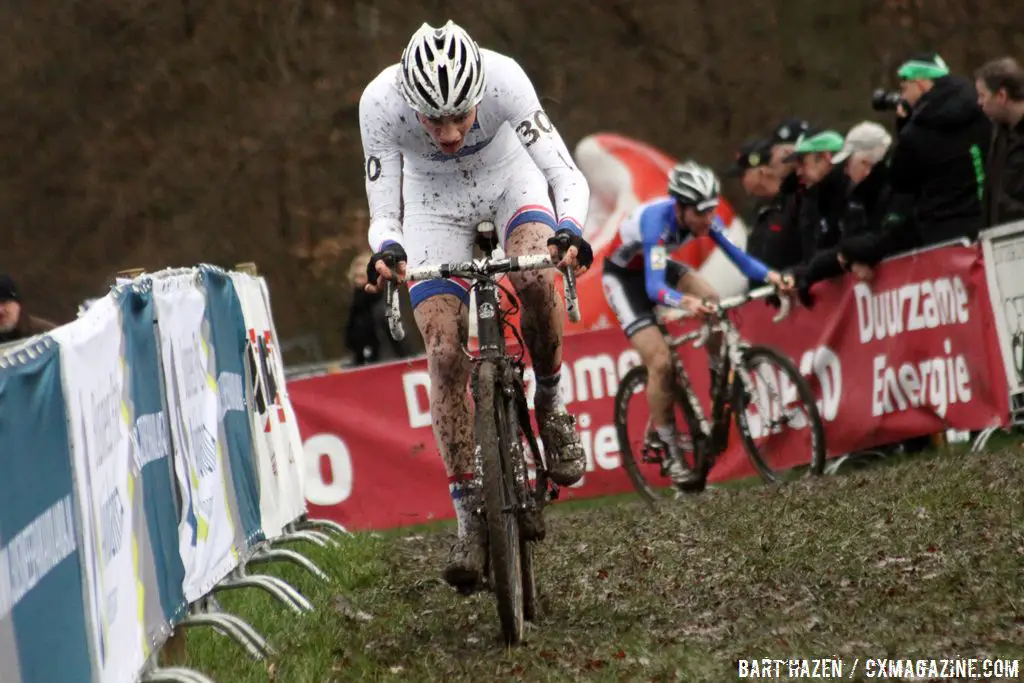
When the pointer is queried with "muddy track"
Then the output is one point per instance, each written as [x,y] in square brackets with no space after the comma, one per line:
[920,559]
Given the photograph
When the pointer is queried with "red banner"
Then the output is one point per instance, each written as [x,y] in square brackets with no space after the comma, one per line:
[911,353]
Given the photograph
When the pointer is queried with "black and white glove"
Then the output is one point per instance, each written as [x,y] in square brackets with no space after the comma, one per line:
[565,238]
[392,254]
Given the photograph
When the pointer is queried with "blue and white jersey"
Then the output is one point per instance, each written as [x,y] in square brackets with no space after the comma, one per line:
[649,234]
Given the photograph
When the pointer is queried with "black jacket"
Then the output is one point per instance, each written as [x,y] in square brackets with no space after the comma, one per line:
[937,167]
[366,330]
[868,202]
[771,241]
[775,232]
[1004,175]
[821,212]
[863,212]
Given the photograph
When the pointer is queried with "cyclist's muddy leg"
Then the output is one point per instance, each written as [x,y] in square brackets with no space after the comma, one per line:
[543,310]
[542,324]
[442,325]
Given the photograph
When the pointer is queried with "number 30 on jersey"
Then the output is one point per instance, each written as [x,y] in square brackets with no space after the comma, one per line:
[532,128]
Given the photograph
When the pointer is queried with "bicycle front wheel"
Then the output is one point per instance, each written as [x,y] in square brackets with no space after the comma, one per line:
[777,417]
[642,451]
[500,502]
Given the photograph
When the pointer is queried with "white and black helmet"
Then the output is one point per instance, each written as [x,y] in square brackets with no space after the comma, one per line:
[441,73]
[693,184]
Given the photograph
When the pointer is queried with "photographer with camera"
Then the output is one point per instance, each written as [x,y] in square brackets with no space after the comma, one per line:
[936,170]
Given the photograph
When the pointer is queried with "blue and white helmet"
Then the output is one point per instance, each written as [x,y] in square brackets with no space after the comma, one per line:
[441,73]
[693,184]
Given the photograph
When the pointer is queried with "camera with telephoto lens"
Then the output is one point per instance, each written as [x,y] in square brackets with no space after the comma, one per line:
[885,100]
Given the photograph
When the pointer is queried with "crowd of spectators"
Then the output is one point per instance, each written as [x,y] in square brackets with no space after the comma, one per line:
[827,203]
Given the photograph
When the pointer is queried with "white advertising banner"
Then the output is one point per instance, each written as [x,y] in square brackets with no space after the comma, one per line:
[280,473]
[206,529]
[1003,250]
[96,393]
[286,411]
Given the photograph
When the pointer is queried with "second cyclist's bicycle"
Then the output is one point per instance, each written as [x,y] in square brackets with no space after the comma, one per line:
[756,385]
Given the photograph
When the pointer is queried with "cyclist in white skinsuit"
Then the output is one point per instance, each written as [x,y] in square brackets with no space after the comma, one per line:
[453,135]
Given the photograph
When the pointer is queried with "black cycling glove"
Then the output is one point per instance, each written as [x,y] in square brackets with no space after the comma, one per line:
[565,238]
[391,255]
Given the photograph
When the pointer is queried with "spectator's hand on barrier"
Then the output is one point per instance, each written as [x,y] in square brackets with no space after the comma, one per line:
[784,283]
[863,272]
[804,296]
[387,264]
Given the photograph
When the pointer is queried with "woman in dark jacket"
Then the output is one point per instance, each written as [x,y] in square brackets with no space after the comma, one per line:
[366,330]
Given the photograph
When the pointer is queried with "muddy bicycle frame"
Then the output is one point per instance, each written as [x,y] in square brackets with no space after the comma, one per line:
[511,508]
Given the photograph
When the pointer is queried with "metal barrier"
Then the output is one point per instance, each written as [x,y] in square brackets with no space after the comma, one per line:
[166,347]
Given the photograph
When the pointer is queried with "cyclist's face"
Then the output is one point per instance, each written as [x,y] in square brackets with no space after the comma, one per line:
[449,132]
[697,222]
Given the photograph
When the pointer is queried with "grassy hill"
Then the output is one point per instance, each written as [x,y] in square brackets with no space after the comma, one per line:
[921,558]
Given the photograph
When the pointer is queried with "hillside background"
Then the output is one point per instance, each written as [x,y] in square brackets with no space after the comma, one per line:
[154,133]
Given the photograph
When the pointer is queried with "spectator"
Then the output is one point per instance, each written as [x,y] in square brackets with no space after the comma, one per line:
[791,190]
[761,179]
[783,141]
[1000,85]
[15,324]
[367,334]
[864,159]
[937,167]
[824,202]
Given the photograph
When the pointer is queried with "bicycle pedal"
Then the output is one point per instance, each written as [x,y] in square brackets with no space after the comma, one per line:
[693,487]
[531,525]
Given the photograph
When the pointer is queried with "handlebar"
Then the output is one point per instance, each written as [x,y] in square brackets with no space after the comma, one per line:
[479,269]
[724,305]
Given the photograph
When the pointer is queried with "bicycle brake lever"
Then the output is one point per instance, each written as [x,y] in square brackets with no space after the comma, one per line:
[703,337]
[572,302]
[785,305]
[394,312]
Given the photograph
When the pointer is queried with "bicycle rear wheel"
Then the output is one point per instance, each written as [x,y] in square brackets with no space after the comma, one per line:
[500,502]
[784,418]
[642,451]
